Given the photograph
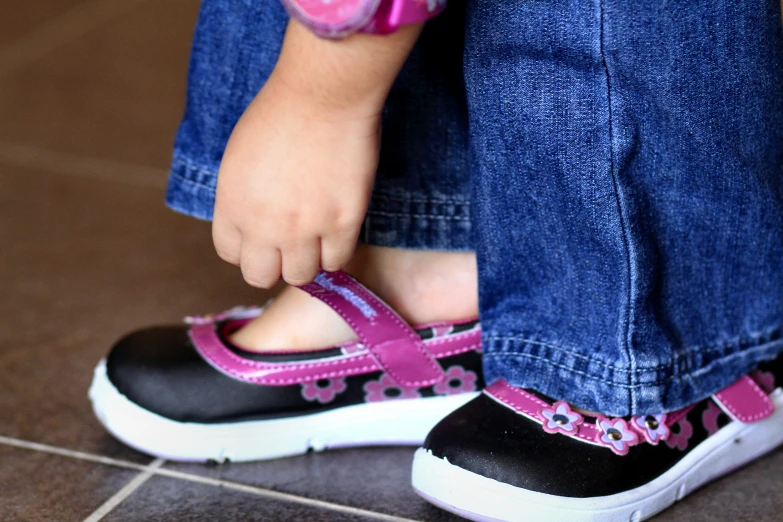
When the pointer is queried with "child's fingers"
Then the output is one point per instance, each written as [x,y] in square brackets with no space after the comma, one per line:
[260,266]
[336,251]
[301,262]
[227,240]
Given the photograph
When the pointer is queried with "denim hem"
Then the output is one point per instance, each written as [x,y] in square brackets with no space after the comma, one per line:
[412,221]
[599,385]
[418,222]
[191,188]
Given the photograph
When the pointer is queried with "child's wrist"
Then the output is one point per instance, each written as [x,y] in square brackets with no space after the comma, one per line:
[352,76]
[310,99]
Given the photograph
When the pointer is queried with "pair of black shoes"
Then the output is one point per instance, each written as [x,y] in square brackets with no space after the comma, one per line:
[501,453]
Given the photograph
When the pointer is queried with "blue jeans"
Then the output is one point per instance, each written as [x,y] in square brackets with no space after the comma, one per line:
[617,165]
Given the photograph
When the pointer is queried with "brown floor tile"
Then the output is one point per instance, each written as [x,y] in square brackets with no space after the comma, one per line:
[168,500]
[377,479]
[37,487]
[117,92]
[83,262]
[22,16]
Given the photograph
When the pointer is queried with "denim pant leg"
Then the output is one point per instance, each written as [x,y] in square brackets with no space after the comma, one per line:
[422,191]
[628,198]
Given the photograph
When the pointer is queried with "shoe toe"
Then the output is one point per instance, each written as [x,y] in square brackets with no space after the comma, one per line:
[159,370]
[491,440]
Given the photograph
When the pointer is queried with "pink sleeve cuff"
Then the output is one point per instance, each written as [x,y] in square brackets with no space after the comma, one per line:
[337,19]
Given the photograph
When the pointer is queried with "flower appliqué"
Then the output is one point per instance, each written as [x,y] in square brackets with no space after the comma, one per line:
[323,390]
[709,418]
[560,418]
[615,434]
[458,380]
[386,389]
[681,435]
[652,427]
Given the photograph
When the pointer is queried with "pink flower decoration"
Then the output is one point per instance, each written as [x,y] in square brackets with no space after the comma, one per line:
[439,331]
[766,380]
[680,438]
[615,434]
[710,418]
[560,418]
[386,389]
[457,380]
[323,390]
[652,427]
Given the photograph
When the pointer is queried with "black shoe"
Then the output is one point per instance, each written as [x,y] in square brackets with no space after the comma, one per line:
[186,393]
[512,455]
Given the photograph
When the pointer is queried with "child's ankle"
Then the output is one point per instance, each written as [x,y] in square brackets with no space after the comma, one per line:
[423,286]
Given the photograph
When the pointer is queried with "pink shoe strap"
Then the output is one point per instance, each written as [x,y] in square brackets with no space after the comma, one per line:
[395,345]
[745,401]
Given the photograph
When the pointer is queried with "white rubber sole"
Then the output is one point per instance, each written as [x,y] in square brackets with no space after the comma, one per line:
[404,422]
[482,499]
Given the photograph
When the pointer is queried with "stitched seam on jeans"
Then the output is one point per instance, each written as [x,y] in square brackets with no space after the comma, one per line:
[681,354]
[416,200]
[621,210]
[191,182]
[425,216]
[204,169]
[695,373]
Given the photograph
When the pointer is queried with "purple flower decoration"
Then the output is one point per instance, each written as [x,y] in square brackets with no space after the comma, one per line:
[709,417]
[652,427]
[323,390]
[385,389]
[680,437]
[615,434]
[457,381]
[560,418]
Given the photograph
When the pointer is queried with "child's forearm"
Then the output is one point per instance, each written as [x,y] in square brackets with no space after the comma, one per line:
[352,75]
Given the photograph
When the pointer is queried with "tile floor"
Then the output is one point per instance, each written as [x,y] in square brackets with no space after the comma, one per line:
[90,95]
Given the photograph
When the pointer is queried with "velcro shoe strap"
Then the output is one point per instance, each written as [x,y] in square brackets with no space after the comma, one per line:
[745,401]
[394,344]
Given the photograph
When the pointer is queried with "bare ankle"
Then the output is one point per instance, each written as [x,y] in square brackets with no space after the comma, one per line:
[421,285]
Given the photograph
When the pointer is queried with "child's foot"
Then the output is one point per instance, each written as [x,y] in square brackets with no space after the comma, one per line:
[514,455]
[187,393]
[422,286]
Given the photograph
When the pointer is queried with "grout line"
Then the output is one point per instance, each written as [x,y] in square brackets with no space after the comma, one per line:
[277,495]
[87,167]
[63,29]
[63,452]
[125,492]
[199,479]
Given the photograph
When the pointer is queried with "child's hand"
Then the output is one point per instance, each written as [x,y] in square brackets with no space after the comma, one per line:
[298,170]
[293,187]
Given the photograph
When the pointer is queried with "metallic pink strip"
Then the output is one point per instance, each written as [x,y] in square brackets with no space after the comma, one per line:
[529,405]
